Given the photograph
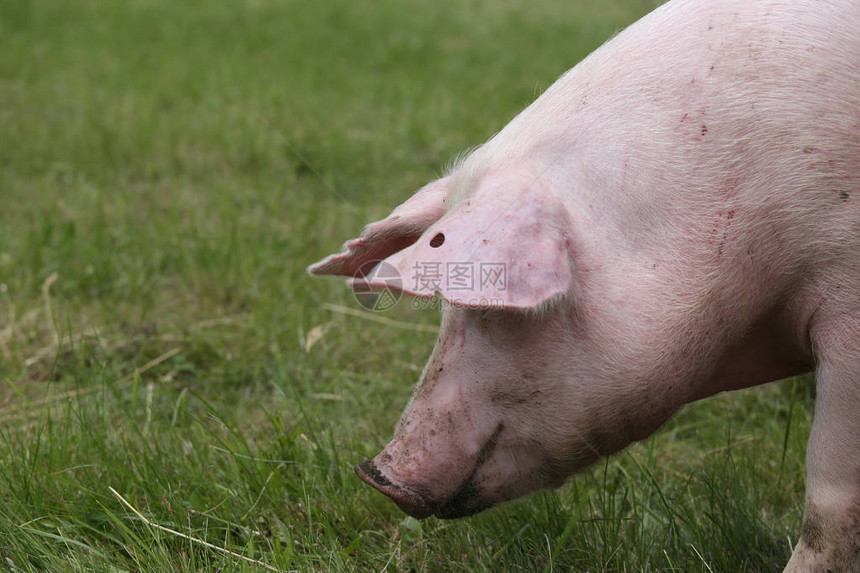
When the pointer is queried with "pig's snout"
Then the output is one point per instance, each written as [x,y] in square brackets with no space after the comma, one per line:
[409,501]
[467,501]
[421,501]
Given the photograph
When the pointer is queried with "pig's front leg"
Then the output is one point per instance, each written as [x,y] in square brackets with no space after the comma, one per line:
[830,537]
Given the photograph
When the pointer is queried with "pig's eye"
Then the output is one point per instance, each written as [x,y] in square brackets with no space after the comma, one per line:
[437,240]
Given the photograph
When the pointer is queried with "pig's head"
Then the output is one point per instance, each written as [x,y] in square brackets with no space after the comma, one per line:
[511,399]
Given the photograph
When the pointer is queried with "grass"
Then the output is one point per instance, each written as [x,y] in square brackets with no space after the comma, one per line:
[170,376]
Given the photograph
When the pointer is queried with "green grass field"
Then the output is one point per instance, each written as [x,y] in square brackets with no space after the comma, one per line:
[169,376]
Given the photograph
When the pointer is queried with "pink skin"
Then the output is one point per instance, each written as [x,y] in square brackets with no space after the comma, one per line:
[472,428]
[513,401]
[677,217]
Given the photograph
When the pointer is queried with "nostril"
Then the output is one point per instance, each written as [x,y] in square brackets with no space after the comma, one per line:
[368,472]
[406,499]
[437,240]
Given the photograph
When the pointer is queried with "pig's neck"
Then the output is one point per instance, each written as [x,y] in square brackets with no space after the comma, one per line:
[764,354]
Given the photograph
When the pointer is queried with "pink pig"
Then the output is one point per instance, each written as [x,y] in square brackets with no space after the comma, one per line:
[677,216]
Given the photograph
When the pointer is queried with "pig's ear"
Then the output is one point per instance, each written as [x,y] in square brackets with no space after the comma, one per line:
[390,235]
[506,246]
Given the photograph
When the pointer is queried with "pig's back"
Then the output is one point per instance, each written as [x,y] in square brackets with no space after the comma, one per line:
[743,108]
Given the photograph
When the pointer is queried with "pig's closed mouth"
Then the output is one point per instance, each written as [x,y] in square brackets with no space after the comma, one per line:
[465,502]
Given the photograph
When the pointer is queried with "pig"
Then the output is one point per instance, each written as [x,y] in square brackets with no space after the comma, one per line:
[676,216]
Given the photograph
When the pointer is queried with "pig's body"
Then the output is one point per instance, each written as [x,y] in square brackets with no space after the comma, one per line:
[678,215]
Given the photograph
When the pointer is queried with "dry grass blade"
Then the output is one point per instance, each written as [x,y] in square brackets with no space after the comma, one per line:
[316,334]
[52,349]
[221,321]
[190,538]
[381,319]
[721,449]
[49,313]
[22,409]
